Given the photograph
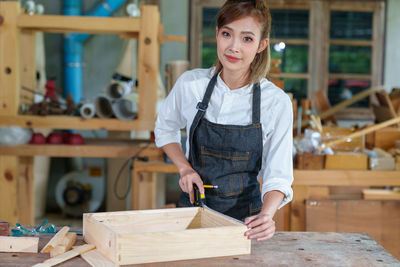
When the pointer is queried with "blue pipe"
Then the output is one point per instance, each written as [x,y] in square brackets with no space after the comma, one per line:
[73,44]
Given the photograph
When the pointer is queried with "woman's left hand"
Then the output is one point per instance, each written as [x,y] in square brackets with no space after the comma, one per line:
[261,227]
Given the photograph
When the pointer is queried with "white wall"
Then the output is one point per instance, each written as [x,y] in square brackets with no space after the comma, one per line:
[391,75]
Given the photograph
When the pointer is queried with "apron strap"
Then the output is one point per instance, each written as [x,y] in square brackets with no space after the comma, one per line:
[201,110]
[256,103]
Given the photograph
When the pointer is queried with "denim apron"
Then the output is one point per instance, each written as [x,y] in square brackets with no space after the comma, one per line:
[228,156]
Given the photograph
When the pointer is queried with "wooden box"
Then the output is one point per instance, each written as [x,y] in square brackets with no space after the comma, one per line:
[346,161]
[310,161]
[133,237]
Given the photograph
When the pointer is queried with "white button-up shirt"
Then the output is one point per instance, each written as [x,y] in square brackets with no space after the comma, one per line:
[234,107]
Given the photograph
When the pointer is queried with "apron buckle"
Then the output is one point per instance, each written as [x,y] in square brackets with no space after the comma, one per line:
[202,107]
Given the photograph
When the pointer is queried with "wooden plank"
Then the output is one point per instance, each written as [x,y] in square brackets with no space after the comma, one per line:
[57,239]
[158,166]
[356,216]
[390,223]
[25,194]
[9,63]
[290,41]
[297,216]
[380,194]
[350,42]
[148,63]
[93,148]
[66,256]
[69,122]
[8,189]
[27,66]
[64,24]
[65,245]
[346,178]
[19,244]
[348,76]
[196,31]
[96,259]
[318,57]
[320,216]
[360,6]
[290,75]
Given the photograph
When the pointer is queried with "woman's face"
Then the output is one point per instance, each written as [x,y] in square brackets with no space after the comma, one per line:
[238,42]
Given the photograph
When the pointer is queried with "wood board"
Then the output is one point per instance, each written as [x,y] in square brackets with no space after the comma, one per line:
[133,237]
[383,224]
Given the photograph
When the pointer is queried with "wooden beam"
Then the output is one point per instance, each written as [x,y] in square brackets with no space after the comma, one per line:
[290,75]
[64,24]
[93,148]
[66,256]
[148,63]
[19,244]
[96,259]
[25,194]
[9,63]
[57,239]
[318,58]
[347,76]
[351,42]
[346,178]
[378,38]
[358,6]
[65,245]
[8,189]
[68,122]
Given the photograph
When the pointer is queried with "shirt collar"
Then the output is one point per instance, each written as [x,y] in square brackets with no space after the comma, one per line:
[247,89]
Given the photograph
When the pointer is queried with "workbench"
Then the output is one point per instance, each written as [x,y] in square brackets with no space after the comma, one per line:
[284,249]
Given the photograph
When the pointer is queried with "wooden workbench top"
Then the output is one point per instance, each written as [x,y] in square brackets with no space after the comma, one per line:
[284,249]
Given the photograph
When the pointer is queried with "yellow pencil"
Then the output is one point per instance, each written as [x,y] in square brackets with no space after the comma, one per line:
[210,186]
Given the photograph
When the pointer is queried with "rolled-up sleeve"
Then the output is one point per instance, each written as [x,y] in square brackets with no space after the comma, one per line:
[170,119]
[277,167]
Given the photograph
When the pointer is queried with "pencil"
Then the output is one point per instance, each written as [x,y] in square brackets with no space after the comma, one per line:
[210,186]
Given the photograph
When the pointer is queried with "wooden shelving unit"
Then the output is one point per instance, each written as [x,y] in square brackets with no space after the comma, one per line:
[17,69]
[93,148]
[68,122]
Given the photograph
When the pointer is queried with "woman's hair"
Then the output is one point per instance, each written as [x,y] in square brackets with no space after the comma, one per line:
[236,9]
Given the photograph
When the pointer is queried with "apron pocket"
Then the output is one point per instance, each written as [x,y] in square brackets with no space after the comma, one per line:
[255,207]
[226,169]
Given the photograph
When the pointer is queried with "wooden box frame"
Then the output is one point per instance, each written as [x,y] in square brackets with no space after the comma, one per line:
[133,237]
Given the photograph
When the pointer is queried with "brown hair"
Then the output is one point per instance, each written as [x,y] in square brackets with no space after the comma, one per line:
[235,9]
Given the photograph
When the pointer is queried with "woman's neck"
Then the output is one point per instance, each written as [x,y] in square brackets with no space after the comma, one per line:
[235,80]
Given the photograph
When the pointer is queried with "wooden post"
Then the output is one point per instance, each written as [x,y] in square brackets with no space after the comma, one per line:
[319,47]
[378,38]
[148,62]
[9,102]
[25,195]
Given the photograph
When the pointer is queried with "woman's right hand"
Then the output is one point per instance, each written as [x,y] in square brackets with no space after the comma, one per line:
[188,178]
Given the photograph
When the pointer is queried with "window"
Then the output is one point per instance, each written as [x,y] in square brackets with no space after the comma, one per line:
[350,55]
[329,45]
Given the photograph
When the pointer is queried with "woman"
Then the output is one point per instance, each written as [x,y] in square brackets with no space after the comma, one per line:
[239,125]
